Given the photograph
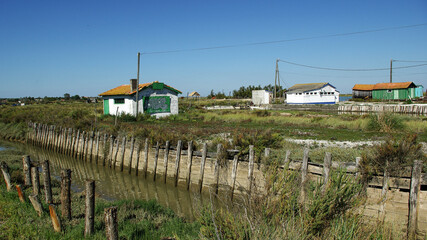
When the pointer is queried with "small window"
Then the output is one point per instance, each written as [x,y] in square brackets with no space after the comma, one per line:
[119,100]
[321,93]
[389,90]
[315,93]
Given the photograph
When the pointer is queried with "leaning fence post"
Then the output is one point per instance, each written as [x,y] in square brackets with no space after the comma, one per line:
[132,146]
[20,193]
[189,162]
[123,153]
[110,152]
[304,168]
[6,175]
[234,174]
[166,160]
[327,162]
[156,158]
[110,218]
[138,152]
[56,222]
[26,162]
[177,161]
[47,186]
[90,207]
[91,136]
[66,193]
[145,167]
[251,167]
[414,202]
[219,158]
[36,204]
[202,166]
[35,180]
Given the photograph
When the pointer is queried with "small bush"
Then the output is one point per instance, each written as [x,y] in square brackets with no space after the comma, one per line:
[385,122]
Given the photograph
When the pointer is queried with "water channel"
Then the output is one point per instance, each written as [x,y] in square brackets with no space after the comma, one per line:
[112,184]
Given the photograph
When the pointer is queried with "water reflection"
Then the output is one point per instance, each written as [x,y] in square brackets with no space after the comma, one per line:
[111,184]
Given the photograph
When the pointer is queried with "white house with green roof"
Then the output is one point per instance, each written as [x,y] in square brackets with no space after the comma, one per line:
[154,98]
[312,93]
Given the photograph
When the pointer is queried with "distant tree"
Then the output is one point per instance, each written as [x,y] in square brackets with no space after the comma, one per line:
[67,96]
[75,97]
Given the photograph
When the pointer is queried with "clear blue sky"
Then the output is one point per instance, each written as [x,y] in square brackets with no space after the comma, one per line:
[48,48]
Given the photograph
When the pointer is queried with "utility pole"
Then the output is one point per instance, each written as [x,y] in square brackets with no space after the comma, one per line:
[276,79]
[137,88]
[391,70]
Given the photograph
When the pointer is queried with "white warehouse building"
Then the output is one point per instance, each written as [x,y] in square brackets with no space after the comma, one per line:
[260,97]
[312,93]
[155,98]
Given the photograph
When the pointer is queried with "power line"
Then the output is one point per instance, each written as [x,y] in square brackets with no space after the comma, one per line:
[285,40]
[351,69]
[407,61]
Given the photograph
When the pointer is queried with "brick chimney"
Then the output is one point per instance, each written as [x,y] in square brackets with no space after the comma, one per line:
[133,84]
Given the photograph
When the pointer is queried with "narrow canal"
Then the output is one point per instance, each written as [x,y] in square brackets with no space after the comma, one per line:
[112,184]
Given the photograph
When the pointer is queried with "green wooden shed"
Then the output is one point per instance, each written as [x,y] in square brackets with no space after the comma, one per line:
[394,91]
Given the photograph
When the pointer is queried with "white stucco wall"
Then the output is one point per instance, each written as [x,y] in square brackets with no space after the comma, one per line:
[260,97]
[325,95]
[119,108]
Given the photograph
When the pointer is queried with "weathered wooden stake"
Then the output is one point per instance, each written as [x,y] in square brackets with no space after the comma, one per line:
[384,192]
[358,159]
[90,207]
[219,158]
[97,147]
[287,157]
[35,180]
[156,158]
[414,202]
[110,152]
[177,161]
[304,168]
[166,160]
[91,146]
[111,228]
[6,175]
[123,153]
[251,167]
[138,152]
[76,144]
[234,174]
[20,193]
[66,193]
[36,204]
[145,167]
[327,163]
[104,149]
[132,146]
[86,154]
[56,222]
[117,153]
[82,150]
[202,166]
[26,162]
[189,162]
[47,185]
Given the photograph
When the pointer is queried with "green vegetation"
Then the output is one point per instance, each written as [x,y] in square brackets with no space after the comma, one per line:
[136,219]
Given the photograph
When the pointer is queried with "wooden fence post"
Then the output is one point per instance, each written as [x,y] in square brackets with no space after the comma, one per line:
[219,158]
[91,146]
[116,153]
[104,149]
[177,161]
[36,204]
[234,174]
[138,152]
[123,153]
[90,207]
[156,158]
[20,193]
[6,175]
[47,186]
[202,165]
[145,167]
[267,153]
[26,162]
[166,160]
[287,157]
[76,144]
[327,163]
[132,146]
[88,137]
[358,167]
[82,146]
[304,168]
[414,194]
[110,152]
[35,180]
[66,193]
[56,222]
[189,162]
[251,167]
[384,192]
[97,147]
[110,218]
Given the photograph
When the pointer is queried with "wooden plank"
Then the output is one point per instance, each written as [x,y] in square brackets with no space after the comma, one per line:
[177,161]
[202,166]
[189,163]
[414,200]
[166,160]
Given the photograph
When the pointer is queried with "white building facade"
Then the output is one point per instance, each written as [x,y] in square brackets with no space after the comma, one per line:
[154,98]
[260,97]
[312,93]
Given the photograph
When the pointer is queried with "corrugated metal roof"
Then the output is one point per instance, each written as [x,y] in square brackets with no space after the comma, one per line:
[398,85]
[307,87]
[125,89]
[364,87]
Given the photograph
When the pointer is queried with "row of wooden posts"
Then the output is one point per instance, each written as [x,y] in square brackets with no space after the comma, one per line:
[80,145]
[31,178]
[69,141]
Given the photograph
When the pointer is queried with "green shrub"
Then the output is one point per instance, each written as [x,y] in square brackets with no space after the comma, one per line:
[385,122]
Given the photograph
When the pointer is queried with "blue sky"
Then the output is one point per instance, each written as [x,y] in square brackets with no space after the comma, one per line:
[48,48]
